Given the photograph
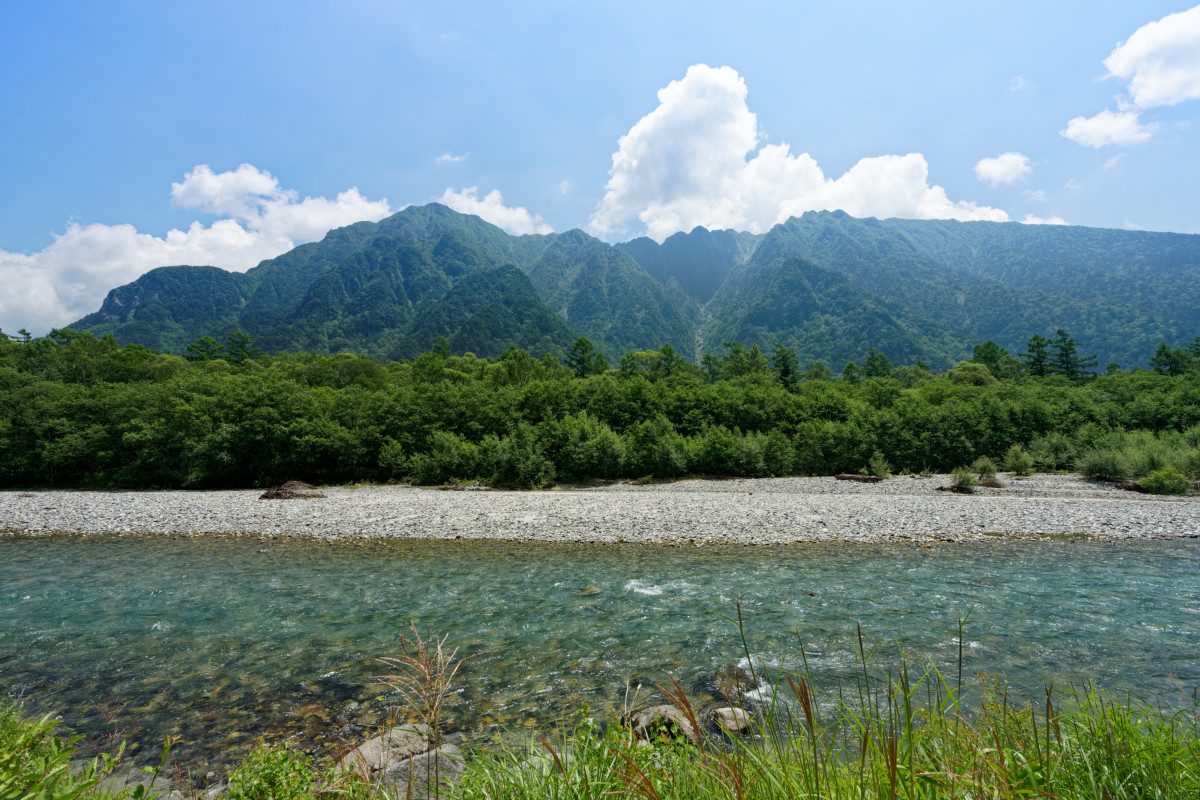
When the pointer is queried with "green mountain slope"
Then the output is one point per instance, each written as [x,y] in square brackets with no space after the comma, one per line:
[602,291]
[363,289]
[953,284]
[698,261]
[484,314]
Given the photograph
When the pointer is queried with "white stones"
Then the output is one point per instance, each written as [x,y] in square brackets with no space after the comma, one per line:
[698,512]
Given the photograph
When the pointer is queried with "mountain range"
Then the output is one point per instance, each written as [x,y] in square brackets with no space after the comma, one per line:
[827,284]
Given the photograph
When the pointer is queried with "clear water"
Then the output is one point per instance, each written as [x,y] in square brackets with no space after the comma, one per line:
[226,641]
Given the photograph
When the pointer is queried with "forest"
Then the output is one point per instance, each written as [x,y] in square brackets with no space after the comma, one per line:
[82,411]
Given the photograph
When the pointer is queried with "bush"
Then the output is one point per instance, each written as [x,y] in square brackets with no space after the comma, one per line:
[1053,450]
[272,774]
[520,462]
[591,449]
[34,763]
[963,481]
[984,467]
[1103,464]
[1166,481]
[653,447]
[1188,462]
[878,465]
[1018,461]
[450,456]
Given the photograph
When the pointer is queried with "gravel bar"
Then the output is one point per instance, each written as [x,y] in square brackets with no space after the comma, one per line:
[689,512]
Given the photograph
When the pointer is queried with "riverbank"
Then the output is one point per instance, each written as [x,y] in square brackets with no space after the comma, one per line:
[767,511]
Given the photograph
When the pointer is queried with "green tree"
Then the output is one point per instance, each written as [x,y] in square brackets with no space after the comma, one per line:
[740,361]
[205,348]
[818,371]
[584,359]
[787,366]
[1066,360]
[998,360]
[851,372]
[877,364]
[239,348]
[1037,359]
[1169,360]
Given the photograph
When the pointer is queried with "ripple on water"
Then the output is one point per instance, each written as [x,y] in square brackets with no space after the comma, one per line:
[228,641]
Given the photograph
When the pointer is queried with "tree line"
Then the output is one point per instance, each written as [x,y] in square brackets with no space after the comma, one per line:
[81,411]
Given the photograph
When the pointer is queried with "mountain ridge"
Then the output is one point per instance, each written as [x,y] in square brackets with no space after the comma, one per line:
[826,283]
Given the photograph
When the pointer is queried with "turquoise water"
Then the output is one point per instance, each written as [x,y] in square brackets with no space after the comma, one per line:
[228,641]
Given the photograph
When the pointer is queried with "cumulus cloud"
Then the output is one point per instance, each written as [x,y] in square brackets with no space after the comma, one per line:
[1160,62]
[1109,127]
[1004,168]
[695,160]
[516,220]
[1160,66]
[259,220]
[1032,219]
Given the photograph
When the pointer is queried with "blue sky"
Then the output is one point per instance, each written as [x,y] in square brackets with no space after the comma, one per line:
[138,134]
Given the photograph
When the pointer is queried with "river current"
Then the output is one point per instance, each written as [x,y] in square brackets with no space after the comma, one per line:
[228,641]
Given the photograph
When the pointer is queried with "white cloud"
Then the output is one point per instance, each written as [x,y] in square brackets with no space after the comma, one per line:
[450,158]
[1004,168]
[1160,62]
[1019,83]
[516,220]
[1109,127]
[1035,195]
[1114,160]
[1031,219]
[69,278]
[696,160]
[564,187]
[1160,65]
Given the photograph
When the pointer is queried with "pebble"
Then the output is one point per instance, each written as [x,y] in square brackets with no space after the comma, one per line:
[695,512]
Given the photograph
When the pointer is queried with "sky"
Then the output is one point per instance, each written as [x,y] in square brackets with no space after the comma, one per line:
[136,135]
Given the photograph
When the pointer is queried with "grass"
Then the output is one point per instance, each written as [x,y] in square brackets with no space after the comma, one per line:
[886,736]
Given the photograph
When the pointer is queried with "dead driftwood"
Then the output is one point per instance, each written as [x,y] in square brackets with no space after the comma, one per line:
[292,490]
[846,476]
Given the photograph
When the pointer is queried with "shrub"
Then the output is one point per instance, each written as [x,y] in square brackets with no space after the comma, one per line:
[272,774]
[1188,462]
[1053,450]
[963,481]
[777,454]
[1103,464]
[520,462]
[984,467]
[1018,461]
[34,763]
[1166,481]
[450,456]
[878,465]
[653,447]
[717,452]
[591,449]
